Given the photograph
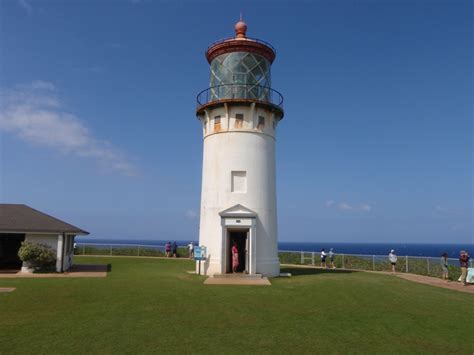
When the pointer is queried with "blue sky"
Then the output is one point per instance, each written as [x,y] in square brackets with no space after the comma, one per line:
[98,128]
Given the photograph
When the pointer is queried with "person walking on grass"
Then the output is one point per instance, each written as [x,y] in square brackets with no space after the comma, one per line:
[175,250]
[331,258]
[444,266]
[323,258]
[392,257]
[168,249]
[191,250]
[464,262]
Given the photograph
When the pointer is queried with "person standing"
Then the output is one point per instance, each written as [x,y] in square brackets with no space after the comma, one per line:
[235,257]
[191,250]
[392,257]
[175,250]
[331,258]
[323,258]
[168,249]
[464,262]
[444,266]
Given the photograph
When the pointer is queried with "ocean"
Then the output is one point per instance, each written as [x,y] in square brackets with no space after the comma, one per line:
[411,249]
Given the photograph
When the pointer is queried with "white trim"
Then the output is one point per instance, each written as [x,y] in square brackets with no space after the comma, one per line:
[227,225]
[238,211]
[43,232]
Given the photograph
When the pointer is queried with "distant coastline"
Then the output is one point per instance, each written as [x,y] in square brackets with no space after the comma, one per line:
[412,249]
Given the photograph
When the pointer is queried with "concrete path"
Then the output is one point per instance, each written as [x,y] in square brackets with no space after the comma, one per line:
[75,271]
[7,289]
[433,281]
[427,280]
[237,281]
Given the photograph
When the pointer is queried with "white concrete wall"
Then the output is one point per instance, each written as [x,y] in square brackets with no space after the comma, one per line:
[52,240]
[69,252]
[48,239]
[244,149]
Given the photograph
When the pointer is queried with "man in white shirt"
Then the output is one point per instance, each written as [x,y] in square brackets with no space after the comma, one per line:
[323,258]
[392,257]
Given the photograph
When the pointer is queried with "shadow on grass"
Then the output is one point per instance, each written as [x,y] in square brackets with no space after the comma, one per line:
[299,271]
[109,267]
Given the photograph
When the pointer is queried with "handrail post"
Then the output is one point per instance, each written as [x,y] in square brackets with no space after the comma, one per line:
[428,265]
[138,251]
[406,263]
[373,262]
[342,261]
[302,257]
[111,250]
[312,258]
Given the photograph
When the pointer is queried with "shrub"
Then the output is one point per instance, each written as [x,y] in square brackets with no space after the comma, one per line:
[39,256]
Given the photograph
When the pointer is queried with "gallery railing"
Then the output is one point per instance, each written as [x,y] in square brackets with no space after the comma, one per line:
[430,266]
[240,91]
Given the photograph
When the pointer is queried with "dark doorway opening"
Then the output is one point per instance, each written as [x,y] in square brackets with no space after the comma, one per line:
[239,237]
[9,246]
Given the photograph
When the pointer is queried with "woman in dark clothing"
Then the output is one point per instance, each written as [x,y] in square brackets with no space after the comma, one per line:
[175,249]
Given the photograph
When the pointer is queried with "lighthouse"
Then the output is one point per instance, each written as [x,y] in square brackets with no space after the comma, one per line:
[239,113]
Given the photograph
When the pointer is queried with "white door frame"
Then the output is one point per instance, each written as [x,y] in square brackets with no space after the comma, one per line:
[244,223]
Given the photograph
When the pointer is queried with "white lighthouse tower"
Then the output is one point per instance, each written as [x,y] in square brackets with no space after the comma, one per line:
[239,113]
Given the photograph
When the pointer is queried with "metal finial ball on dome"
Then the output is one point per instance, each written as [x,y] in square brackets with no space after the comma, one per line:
[240,29]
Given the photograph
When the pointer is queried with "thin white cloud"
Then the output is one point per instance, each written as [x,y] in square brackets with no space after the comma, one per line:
[191,214]
[344,206]
[114,45]
[26,6]
[41,85]
[457,227]
[35,114]
[447,210]
[329,203]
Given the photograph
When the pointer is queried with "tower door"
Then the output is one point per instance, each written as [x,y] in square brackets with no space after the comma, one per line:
[239,238]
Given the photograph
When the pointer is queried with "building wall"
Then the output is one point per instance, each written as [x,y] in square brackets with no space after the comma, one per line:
[234,148]
[52,240]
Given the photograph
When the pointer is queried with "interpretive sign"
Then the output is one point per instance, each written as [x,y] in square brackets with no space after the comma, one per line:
[200,253]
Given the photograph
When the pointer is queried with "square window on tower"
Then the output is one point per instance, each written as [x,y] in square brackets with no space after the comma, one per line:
[239,181]
[261,122]
[239,120]
[217,123]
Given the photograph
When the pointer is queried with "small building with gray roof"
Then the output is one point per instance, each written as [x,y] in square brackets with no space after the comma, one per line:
[20,223]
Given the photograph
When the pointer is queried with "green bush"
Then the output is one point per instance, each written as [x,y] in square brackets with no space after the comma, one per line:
[38,256]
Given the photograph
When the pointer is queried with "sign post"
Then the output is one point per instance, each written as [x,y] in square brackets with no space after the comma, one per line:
[199,255]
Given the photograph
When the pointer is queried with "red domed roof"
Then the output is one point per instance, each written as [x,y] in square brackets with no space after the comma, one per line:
[241,43]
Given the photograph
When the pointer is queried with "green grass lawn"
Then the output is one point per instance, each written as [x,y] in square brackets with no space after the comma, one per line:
[153,305]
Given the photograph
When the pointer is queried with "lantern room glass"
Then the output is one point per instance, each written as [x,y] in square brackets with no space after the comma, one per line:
[240,75]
